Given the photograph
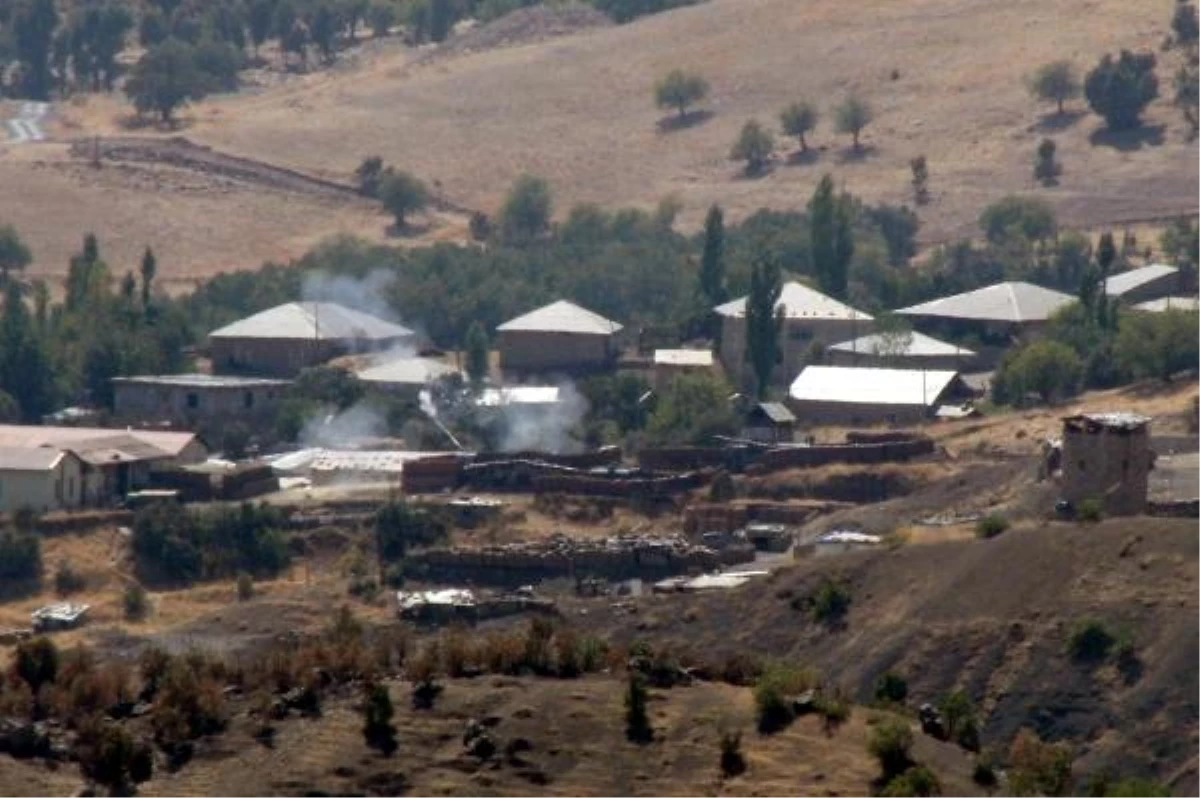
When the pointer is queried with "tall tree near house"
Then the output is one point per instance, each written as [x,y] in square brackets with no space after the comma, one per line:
[13,252]
[33,27]
[832,237]
[764,323]
[476,344]
[712,261]
[149,271]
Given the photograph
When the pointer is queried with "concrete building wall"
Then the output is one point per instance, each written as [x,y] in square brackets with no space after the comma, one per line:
[59,488]
[810,413]
[796,341]
[1107,464]
[186,405]
[523,351]
[284,357]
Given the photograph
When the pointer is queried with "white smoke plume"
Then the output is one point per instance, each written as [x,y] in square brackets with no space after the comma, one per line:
[544,427]
[343,430]
[365,294]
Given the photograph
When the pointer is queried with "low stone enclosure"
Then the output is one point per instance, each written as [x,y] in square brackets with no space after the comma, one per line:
[622,557]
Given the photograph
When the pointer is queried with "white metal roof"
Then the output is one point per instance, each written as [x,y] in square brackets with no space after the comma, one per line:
[326,321]
[406,371]
[518,395]
[42,458]
[799,302]
[918,345]
[683,357]
[870,386]
[1007,302]
[561,317]
[199,381]
[1119,284]
[1166,303]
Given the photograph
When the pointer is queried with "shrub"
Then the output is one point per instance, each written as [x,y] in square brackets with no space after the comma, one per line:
[991,525]
[1046,167]
[732,761]
[917,780]
[245,586]
[984,774]
[958,714]
[20,556]
[1036,767]
[369,174]
[1090,511]
[637,718]
[1090,642]
[67,580]
[891,687]
[378,730]
[135,603]
[920,179]
[402,194]
[1127,788]
[1118,89]
[108,755]
[754,145]
[1049,369]
[36,662]
[679,89]
[890,743]
[774,691]
[834,707]
[830,602]
[593,652]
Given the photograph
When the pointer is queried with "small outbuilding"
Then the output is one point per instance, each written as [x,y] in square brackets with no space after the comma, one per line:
[840,395]
[285,339]
[769,422]
[560,337]
[671,363]
[42,479]
[1106,457]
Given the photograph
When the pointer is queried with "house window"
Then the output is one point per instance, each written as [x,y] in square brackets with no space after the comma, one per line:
[248,399]
[193,401]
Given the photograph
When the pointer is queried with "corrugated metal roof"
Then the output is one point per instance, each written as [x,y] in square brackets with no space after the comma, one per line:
[777,412]
[406,371]
[326,321]
[1124,282]
[198,381]
[870,386]
[43,458]
[1166,303]
[561,317]
[31,437]
[683,357]
[799,302]
[1007,302]
[518,395]
[918,345]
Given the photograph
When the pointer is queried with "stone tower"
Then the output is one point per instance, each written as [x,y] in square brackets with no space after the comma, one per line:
[1107,457]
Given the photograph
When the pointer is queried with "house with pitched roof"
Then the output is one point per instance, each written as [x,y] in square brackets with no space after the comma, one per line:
[1154,281]
[561,337]
[281,341]
[810,319]
[847,395]
[41,479]
[910,350]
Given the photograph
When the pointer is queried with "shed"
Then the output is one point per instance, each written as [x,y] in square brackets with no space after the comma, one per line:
[559,337]
[908,350]
[841,395]
[43,478]
[808,317]
[769,422]
[1154,281]
[281,341]
[671,363]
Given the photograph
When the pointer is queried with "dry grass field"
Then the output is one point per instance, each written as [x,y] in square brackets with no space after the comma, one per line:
[577,110]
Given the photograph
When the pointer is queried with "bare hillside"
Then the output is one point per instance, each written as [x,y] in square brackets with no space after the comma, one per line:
[578,109]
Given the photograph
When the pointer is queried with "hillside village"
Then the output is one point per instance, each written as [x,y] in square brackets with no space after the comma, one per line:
[699,496]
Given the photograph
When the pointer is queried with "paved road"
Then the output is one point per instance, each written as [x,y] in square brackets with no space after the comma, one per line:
[26,125]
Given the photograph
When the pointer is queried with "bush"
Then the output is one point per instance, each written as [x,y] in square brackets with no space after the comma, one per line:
[891,687]
[774,691]
[1038,768]
[984,774]
[20,556]
[67,580]
[958,715]
[637,718]
[378,730]
[1090,511]
[1118,89]
[722,488]
[830,602]
[1127,788]
[109,756]
[1046,167]
[36,662]
[1016,218]
[754,145]
[1090,642]
[245,586]
[917,780]
[890,743]
[991,525]
[834,707]
[135,603]
[1048,369]
[369,174]
[732,761]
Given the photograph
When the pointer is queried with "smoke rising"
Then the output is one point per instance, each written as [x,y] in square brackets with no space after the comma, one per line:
[365,294]
[544,427]
[345,429]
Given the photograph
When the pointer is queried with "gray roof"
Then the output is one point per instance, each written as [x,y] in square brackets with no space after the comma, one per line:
[918,345]
[1013,302]
[1163,304]
[158,443]
[561,317]
[870,386]
[1119,284]
[406,371]
[326,321]
[776,412]
[19,458]
[198,381]
[799,302]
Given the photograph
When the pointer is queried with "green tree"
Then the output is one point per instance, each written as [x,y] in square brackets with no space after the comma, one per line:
[476,343]
[637,716]
[33,27]
[378,730]
[526,211]
[324,31]
[1157,345]
[831,234]
[1180,241]
[1049,369]
[797,120]
[690,411]
[97,36]
[149,270]
[108,755]
[1046,167]
[382,16]
[764,323]
[219,63]
[712,258]
[852,116]
[754,145]
[679,89]
[402,194]
[1055,82]
[1018,218]
[1187,95]
[165,79]
[370,174]
[13,252]
[260,16]
[1118,89]
[1038,768]
[25,369]
[891,743]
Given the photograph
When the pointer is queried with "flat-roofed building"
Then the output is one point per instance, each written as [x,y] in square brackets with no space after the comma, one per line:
[189,399]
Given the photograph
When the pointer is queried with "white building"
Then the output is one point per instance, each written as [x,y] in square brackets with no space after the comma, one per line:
[839,395]
[41,479]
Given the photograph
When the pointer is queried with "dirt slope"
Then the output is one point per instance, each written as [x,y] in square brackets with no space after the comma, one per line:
[577,110]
